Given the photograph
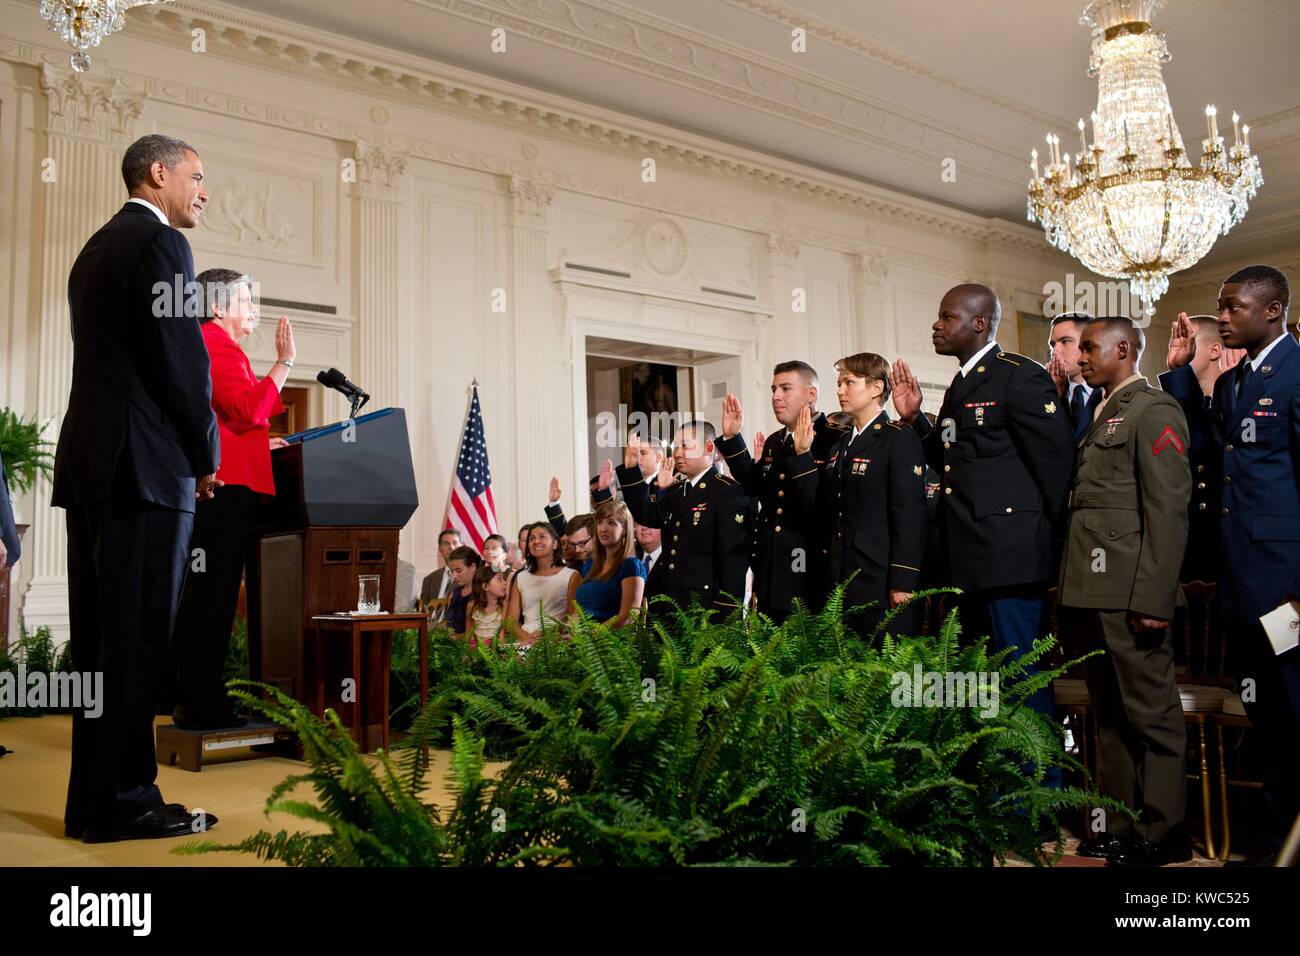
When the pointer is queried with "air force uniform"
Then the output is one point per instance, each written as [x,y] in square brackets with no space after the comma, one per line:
[1254,431]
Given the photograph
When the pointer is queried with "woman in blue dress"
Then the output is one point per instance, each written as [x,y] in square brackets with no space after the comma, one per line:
[613,579]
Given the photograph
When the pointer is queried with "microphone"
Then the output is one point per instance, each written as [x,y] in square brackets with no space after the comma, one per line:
[333,378]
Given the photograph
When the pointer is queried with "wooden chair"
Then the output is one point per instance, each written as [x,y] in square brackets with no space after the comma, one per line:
[1205,687]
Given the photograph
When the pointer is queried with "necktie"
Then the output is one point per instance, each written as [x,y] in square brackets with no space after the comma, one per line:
[1244,371]
[1077,403]
[649,563]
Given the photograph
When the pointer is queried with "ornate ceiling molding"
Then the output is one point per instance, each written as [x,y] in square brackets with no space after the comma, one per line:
[885,56]
[638,41]
[102,111]
[377,73]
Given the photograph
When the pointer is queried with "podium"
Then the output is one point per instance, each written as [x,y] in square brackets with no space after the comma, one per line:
[343,494]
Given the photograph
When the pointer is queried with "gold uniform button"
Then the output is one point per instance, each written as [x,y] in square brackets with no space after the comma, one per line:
[1201,506]
[1200,467]
[674,537]
[778,510]
[945,444]
[1200,484]
[1227,479]
[671,567]
[1008,511]
[782,477]
[1224,512]
[781,493]
[947,467]
[1227,448]
[672,550]
[947,491]
[777,528]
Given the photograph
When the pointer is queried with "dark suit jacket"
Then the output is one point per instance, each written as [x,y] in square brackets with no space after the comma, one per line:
[8,530]
[139,423]
[874,493]
[1006,462]
[432,584]
[1201,560]
[1255,440]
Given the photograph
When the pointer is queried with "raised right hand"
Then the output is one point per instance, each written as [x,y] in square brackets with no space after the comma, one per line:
[759,439]
[285,351]
[606,477]
[554,495]
[907,392]
[631,451]
[732,416]
[1182,342]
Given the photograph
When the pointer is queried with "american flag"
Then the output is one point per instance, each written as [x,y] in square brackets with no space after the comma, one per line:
[472,511]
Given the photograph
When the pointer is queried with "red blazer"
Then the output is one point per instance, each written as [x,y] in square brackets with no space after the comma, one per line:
[244,407]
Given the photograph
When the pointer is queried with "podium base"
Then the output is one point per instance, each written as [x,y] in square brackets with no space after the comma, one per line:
[186,749]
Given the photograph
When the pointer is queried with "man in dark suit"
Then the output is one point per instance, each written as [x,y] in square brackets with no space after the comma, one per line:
[1080,398]
[137,446]
[437,584]
[1254,429]
[1003,447]
[1209,360]
[789,559]
[9,547]
[705,518]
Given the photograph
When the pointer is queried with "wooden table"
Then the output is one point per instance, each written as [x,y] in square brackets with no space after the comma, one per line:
[383,626]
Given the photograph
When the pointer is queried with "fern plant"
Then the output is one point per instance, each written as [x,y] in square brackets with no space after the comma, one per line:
[25,453]
[689,740]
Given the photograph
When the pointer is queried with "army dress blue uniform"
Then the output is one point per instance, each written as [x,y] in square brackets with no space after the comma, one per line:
[875,497]
[789,555]
[1004,450]
[706,525]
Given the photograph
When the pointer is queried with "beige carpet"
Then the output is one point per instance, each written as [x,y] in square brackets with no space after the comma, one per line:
[33,788]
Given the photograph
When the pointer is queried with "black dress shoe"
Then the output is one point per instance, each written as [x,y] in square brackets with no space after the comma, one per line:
[169,820]
[1103,847]
[1145,853]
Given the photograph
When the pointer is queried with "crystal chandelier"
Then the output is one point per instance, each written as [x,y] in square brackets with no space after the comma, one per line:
[83,24]
[1133,206]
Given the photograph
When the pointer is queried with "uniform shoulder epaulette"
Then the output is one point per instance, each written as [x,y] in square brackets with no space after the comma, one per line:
[1013,358]
[894,424]
[838,428]
[726,479]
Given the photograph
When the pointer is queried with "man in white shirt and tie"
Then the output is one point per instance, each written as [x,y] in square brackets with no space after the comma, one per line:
[438,583]
[1080,399]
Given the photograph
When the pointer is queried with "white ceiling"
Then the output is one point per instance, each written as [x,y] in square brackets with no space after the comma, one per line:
[887,89]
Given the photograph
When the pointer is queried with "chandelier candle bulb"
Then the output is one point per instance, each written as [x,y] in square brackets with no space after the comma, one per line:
[1210,113]
[1245,132]
[1083,140]
[1033,162]
[1236,130]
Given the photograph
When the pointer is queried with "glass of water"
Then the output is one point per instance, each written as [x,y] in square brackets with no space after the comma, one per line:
[367,594]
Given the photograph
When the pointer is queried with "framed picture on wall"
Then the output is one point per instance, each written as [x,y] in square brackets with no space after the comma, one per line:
[1035,334]
[649,388]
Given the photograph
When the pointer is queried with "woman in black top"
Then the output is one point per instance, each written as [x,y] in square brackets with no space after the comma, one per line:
[873,490]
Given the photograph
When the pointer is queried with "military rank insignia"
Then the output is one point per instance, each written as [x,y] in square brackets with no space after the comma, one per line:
[859,465]
[1266,401]
[1050,408]
[1111,424]
[918,470]
[1167,439]
[698,512]
[740,518]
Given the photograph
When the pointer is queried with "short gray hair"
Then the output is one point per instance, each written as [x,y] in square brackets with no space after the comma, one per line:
[220,287]
[146,151]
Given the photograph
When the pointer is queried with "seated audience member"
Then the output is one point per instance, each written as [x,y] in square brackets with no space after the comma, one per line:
[405,597]
[540,593]
[613,579]
[487,604]
[580,531]
[437,584]
[494,551]
[463,563]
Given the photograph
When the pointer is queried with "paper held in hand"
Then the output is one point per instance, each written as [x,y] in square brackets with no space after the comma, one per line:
[1282,625]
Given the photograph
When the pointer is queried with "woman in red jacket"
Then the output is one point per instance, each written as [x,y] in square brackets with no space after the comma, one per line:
[223,524]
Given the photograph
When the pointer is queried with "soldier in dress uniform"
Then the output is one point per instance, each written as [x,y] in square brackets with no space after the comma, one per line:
[874,493]
[706,519]
[1209,360]
[1126,533]
[1254,431]
[789,541]
[1004,450]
